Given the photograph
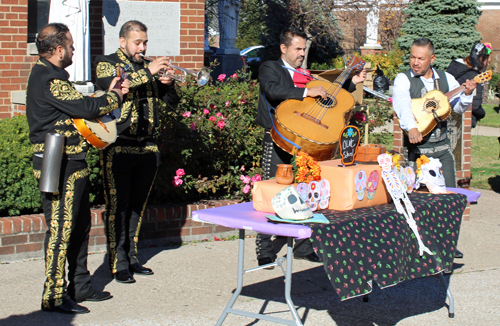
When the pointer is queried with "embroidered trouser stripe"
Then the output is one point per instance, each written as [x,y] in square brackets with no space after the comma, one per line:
[67,215]
[128,172]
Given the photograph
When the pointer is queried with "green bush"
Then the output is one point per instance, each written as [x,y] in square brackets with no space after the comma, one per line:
[19,189]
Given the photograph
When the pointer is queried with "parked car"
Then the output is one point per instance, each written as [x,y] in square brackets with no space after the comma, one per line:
[252,54]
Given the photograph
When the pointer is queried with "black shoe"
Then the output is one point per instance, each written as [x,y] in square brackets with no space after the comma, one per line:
[124,276]
[265,261]
[139,269]
[458,254]
[96,296]
[68,307]
[311,257]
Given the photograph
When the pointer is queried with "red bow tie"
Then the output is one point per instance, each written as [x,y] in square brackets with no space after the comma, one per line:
[301,80]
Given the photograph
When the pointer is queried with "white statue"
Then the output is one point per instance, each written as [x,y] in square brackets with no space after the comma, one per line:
[229,12]
[372,20]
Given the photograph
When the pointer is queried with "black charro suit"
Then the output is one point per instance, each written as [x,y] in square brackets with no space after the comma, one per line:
[276,86]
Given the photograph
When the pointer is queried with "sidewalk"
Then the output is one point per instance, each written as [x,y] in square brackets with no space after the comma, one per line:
[193,283]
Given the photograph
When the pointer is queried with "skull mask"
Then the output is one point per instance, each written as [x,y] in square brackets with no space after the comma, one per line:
[385,161]
[432,176]
[360,184]
[288,205]
[324,186]
[372,184]
[314,195]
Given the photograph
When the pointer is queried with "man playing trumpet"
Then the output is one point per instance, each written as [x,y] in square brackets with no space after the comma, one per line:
[129,165]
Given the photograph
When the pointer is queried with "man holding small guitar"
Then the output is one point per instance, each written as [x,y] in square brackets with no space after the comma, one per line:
[281,80]
[51,104]
[129,165]
[414,84]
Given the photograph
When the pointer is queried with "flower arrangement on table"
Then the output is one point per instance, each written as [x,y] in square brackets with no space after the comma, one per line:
[305,168]
[421,161]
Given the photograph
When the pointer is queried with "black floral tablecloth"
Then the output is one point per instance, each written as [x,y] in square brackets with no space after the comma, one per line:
[375,244]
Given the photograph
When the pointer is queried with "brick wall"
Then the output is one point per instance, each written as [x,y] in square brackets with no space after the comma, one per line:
[489,28]
[22,237]
[16,63]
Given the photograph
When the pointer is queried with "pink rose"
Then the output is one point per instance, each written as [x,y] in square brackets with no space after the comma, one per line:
[205,111]
[246,189]
[221,77]
[256,178]
[177,181]
[390,100]
[180,172]
[186,114]
[227,103]
[212,119]
[234,75]
[218,114]
[221,124]
[243,101]
[193,126]
[242,168]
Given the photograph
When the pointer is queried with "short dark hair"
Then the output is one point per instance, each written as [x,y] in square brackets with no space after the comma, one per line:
[288,34]
[50,37]
[424,41]
[132,25]
[477,59]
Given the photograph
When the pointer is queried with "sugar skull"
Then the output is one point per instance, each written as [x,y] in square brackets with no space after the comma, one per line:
[313,195]
[303,191]
[289,205]
[372,185]
[402,176]
[410,178]
[385,161]
[360,184]
[324,192]
[432,176]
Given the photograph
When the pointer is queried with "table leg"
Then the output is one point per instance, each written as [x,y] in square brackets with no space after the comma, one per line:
[288,282]
[451,307]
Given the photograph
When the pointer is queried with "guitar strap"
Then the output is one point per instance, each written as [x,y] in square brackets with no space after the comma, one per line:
[276,130]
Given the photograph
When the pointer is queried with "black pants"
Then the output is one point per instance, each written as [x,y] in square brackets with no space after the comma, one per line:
[272,155]
[67,215]
[129,168]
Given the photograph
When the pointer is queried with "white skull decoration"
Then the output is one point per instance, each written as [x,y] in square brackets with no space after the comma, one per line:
[314,195]
[432,176]
[360,184]
[385,161]
[288,205]
[324,189]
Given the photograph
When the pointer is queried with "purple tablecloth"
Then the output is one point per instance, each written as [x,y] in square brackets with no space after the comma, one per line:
[244,216]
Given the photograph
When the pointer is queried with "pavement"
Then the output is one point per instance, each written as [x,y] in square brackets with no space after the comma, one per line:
[193,283]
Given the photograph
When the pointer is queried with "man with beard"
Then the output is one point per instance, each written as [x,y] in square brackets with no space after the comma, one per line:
[51,103]
[129,165]
[281,80]
[415,83]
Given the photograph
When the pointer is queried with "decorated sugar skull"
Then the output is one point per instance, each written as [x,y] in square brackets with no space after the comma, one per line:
[314,195]
[402,176]
[385,162]
[303,191]
[372,184]
[410,178]
[432,176]
[288,205]
[324,192]
[360,184]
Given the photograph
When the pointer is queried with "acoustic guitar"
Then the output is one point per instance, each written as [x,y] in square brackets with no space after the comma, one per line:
[102,132]
[435,106]
[314,124]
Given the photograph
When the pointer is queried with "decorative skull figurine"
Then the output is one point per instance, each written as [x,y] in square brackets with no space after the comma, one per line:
[402,176]
[324,191]
[432,176]
[360,184]
[314,195]
[372,185]
[410,178]
[385,161]
[303,191]
[288,205]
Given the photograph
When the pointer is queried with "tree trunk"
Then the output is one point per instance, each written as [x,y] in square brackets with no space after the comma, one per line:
[308,47]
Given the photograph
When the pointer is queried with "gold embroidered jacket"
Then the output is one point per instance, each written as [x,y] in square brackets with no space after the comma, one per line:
[51,103]
[139,113]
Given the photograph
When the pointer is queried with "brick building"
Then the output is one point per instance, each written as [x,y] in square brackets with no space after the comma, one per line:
[19,24]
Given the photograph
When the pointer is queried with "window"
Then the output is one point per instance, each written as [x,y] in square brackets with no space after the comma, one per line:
[38,17]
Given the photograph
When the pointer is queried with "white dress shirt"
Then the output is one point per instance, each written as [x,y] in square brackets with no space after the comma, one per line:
[401,100]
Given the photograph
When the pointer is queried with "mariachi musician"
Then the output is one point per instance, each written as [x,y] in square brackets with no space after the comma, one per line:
[51,103]
[279,81]
[129,165]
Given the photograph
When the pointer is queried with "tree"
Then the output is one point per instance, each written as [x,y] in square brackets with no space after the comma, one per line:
[449,24]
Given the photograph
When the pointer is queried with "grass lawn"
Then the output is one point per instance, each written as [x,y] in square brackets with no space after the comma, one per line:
[492,118]
[485,165]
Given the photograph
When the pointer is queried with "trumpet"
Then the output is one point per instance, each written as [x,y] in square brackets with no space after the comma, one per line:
[202,75]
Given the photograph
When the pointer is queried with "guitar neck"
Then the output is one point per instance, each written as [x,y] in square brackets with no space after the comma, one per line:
[454,92]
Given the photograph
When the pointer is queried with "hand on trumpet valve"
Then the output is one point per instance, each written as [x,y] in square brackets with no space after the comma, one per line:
[158,64]
[164,77]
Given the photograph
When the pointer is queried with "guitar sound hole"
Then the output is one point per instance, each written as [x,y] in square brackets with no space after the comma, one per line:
[430,106]
[329,102]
